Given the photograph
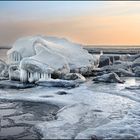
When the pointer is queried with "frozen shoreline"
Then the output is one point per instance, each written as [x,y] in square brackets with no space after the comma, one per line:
[86,110]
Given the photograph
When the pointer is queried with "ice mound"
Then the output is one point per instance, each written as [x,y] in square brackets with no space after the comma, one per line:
[38,54]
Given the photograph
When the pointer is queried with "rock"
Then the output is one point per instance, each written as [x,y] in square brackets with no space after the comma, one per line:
[136,61]
[15,85]
[134,57]
[133,87]
[104,60]
[14,73]
[3,69]
[137,71]
[126,63]
[4,78]
[135,64]
[115,67]
[62,93]
[129,57]
[108,78]
[73,76]
[57,83]
[116,57]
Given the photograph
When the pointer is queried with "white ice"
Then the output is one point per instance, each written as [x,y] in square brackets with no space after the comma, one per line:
[40,53]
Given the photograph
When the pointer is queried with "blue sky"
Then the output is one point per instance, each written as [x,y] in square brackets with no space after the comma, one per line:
[87,22]
[24,10]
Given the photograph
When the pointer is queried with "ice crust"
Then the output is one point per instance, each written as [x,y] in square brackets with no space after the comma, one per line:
[49,49]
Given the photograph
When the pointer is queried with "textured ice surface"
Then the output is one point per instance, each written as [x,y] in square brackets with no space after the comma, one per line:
[91,110]
[43,48]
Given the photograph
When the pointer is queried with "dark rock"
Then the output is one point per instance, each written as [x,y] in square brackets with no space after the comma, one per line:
[117,57]
[133,87]
[104,60]
[108,78]
[124,73]
[58,83]
[61,93]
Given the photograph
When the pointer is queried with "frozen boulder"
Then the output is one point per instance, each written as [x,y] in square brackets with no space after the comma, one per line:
[3,69]
[73,76]
[104,60]
[14,73]
[37,54]
[137,71]
[108,78]
[57,83]
[7,84]
[133,87]
[113,67]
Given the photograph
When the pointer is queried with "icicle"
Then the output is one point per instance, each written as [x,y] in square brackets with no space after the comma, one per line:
[23,76]
[36,77]
[9,74]
[49,75]
[46,76]
[15,56]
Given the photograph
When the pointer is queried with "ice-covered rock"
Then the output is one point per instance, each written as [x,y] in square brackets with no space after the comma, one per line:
[3,69]
[39,54]
[104,60]
[7,84]
[137,71]
[73,76]
[14,73]
[108,78]
[57,83]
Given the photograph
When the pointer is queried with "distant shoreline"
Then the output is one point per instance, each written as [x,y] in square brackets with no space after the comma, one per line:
[107,49]
[5,47]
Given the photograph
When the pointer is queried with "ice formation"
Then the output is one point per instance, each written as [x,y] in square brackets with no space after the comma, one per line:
[40,56]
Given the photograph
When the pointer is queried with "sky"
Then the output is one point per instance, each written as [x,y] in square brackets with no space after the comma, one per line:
[85,22]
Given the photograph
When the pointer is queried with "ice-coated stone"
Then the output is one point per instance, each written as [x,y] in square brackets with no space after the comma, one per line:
[15,85]
[14,73]
[108,78]
[57,83]
[3,69]
[104,60]
[73,76]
